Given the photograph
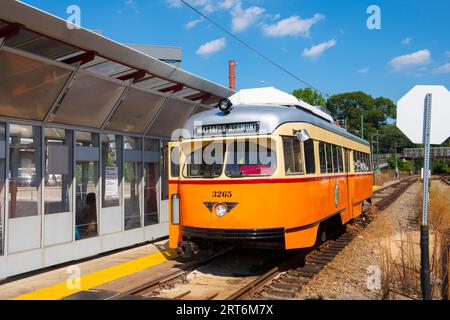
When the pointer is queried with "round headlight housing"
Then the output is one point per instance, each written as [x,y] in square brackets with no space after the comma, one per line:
[225,105]
[221,210]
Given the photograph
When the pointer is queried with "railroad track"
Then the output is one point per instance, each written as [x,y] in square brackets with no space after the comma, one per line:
[284,285]
[167,279]
[445,179]
[282,282]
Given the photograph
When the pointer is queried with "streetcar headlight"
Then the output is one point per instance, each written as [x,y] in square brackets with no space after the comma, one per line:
[225,105]
[220,210]
[175,209]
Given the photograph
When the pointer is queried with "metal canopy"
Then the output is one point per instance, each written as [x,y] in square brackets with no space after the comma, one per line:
[52,74]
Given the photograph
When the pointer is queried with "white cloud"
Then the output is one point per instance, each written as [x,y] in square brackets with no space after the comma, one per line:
[292,26]
[244,18]
[317,50]
[411,60]
[407,41]
[193,23]
[445,68]
[212,47]
[363,71]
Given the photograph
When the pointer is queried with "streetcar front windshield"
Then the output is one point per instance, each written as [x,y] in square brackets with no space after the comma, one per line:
[206,162]
[248,158]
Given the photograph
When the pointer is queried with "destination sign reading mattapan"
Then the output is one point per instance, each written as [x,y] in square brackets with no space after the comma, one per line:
[230,128]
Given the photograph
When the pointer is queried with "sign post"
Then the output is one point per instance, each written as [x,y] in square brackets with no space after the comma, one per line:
[420,125]
[424,235]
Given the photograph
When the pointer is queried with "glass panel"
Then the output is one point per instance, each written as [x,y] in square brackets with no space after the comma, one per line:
[58,170]
[131,195]
[28,88]
[2,187]
[87,174]
[174,115]
[48,48]
[88,102]
[347,160]
[248,159]
[323,158]
[152,145]
[292,156]
[205,162]
[86,139]
[151,178]
[24,170]
[339,154]
[112,170]
[165,171]
[310,159]
[130,143]
[335,158]
[136,112]
[329,158]
[175,162]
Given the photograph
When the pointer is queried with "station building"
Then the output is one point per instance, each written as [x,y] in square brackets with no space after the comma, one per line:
[84,125]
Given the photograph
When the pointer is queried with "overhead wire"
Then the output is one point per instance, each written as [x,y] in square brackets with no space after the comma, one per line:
[254,50]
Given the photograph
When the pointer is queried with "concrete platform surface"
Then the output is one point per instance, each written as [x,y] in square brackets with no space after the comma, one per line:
[80,276]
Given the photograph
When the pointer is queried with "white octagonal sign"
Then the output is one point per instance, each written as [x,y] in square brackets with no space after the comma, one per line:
[410,114]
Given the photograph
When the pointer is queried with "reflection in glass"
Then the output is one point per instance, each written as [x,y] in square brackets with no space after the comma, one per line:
[2,185]
[111,168]
[24,170]
[58,170]
[131,143]
[151,145]
[150,194]
[131,195]
[86,199]
[165,171]
[86,139]
[28,87]
[87,110]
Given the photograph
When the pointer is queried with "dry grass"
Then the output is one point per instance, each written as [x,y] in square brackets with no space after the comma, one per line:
[400,254]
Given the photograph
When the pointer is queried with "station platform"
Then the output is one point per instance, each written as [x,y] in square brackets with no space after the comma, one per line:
[72,278]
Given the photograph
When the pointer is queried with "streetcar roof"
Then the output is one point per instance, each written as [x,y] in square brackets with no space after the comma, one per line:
[269,119]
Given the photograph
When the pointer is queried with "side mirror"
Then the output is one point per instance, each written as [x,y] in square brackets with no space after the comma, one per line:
[302,135]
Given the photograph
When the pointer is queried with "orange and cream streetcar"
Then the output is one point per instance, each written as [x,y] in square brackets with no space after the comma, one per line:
[267,170]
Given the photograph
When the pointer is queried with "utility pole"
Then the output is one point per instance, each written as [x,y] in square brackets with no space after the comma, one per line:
[397,175]
[378,154]
[362,125]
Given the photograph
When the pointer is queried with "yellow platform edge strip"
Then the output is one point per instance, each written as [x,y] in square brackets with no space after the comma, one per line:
[95,279]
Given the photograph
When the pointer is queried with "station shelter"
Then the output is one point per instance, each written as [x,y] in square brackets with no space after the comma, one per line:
[84,125]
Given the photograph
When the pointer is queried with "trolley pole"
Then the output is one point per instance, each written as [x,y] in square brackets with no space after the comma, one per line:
[424,235]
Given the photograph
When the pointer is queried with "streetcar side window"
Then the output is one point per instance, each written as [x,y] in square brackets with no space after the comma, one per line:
[335,158]
[339,156]
[250,159]
[322,157]
[347,160]
[310,159]
[175,162]
[329,151]
[356,163]
[292,156]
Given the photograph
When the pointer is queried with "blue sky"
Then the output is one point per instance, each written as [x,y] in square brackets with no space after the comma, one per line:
[326,43]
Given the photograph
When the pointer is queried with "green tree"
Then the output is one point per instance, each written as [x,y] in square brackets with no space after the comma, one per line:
[391,137]
[349,107]
[310,96]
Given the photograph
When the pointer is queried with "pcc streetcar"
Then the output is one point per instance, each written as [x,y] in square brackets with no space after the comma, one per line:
[271,176]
